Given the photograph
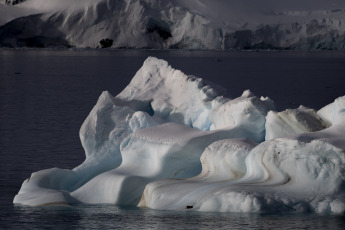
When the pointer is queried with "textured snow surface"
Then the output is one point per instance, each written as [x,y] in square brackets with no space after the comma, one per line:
[171,141]
[175,24]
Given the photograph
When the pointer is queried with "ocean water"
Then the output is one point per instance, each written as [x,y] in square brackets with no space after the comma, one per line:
[46,95]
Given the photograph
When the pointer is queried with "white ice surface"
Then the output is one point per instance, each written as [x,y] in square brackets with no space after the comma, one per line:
[172,141]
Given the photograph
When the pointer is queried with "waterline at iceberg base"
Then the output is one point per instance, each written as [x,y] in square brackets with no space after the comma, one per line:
[174,142]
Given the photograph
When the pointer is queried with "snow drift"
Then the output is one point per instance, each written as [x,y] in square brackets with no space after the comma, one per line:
[171,141]
[174,24]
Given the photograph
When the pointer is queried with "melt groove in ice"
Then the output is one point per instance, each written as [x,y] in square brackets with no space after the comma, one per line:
[171,141]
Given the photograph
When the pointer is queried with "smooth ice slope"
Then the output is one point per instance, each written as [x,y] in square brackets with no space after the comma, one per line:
[172,141]
[192,24]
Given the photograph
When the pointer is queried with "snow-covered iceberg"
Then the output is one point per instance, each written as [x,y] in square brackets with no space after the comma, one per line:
[174,24]
[175,142]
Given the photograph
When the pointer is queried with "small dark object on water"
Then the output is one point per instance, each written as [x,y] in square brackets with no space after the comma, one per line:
[189,207]
[105,43]
[17,73]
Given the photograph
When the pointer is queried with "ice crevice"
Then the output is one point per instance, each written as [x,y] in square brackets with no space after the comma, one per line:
[173,142]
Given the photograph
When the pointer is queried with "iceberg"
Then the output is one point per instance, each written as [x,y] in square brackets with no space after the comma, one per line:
[175,142]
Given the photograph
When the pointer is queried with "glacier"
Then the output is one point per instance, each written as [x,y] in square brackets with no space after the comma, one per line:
[170,141]
[174,24]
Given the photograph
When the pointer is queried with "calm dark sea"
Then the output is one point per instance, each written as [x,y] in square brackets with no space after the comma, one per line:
[46,95]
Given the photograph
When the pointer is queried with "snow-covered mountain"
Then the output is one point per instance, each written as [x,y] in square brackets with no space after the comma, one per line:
[192,24]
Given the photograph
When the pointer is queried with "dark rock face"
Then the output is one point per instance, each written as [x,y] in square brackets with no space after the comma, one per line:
[161,28]
[27,32]
[13,2]
[106,43]
[314,35]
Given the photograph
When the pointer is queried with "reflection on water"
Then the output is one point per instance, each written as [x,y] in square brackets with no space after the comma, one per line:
[113,217]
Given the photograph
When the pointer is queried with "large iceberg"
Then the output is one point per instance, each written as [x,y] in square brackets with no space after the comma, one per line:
[175,142]
[174,24]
